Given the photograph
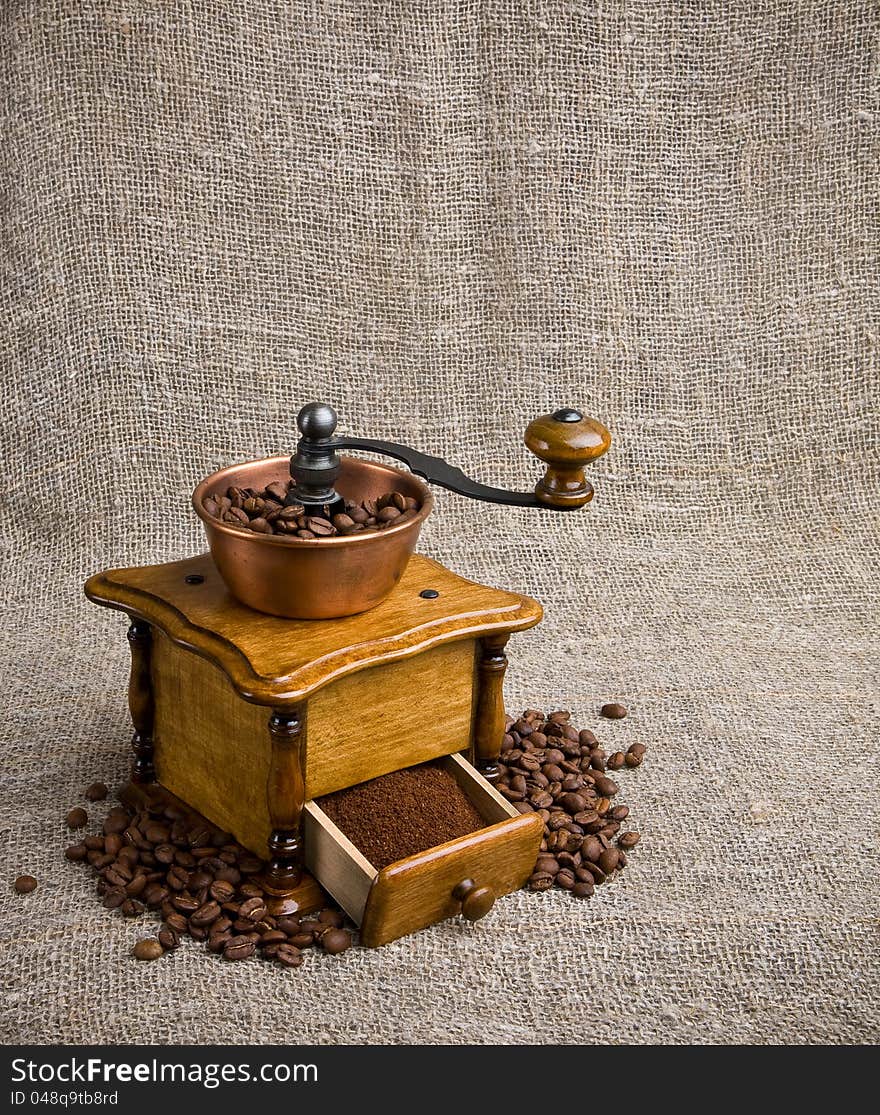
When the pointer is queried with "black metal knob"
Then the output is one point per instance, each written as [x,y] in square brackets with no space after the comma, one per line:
[317,421]
[315,465]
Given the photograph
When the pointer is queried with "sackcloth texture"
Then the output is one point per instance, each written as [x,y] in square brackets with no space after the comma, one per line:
[447,218]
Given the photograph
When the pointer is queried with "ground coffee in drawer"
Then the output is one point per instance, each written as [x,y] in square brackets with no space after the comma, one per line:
[402,813]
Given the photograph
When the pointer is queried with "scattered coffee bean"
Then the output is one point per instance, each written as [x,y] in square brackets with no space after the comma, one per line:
[169,938]
[96,792]
[541,880]
[629,839]
[304,939]
[238,948]
[335,940]
[77,818]
[289,955]
[613,711]
[25,884]
[76,852]
[609,859]
[222,891]
[148,949]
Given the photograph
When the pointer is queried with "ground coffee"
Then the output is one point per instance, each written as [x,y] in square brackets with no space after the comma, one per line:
[402,813]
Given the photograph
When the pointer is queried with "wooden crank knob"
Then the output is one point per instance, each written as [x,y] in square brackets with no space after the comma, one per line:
[475,901]
[566,441]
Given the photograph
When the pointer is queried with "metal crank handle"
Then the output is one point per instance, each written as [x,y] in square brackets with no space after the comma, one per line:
[565,441]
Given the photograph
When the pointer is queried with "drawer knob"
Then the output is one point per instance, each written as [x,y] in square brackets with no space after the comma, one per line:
[475,901]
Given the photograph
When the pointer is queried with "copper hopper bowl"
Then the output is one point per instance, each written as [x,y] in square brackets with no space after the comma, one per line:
[321,578]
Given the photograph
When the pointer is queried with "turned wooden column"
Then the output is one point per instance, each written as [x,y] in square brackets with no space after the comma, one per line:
[285,793]
[140,700]
[489,712]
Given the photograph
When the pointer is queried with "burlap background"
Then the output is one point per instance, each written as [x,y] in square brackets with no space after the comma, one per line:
[447,218]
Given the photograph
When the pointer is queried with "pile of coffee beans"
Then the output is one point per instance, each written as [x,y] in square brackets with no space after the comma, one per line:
[551,768]
[199,880]
[266,512]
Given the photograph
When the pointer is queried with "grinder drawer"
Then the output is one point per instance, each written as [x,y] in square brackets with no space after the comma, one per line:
[462,876]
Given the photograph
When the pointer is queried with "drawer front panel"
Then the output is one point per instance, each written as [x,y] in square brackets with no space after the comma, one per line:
[388,717]
[416,892]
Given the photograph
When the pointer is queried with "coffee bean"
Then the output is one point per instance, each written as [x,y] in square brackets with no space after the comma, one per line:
[164,853]
[616,761]
[304,939]
[613,711]
[573,803]
[565,878]
[177,878]
[204,915]
[154,895]
[135,887]
[96,792]
[591,849]
[629,839]
[546,864]
[288,955]
[608,860]
[288,924]
[76,852]
[131,908]
[114,898]
[169,938]
[77,818]
[582,890]
[254,909]
[540,880]
[148,949]
[272,937]
[606,786]
[238,948]
[25,884]
[222,891]
[218,939]
[185,904]
[176,920]
[335,940]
